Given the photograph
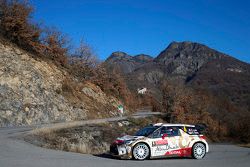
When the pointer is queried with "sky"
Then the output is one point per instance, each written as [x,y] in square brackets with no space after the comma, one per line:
[148,26]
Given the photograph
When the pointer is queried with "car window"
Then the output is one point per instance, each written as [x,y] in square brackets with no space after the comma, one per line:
[156,134]
[146,131]
[190,130]
[170,131]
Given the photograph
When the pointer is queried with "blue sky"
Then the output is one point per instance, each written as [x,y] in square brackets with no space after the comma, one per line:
[148,26]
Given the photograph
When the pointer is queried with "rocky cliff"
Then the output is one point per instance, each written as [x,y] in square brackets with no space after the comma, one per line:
[33,91]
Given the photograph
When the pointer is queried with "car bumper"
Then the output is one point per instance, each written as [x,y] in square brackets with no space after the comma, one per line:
[121,151]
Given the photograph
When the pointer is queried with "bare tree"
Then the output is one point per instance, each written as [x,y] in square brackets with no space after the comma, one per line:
[83,62]
[85,55]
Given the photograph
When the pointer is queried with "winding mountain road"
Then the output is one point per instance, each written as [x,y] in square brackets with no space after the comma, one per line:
[17,153]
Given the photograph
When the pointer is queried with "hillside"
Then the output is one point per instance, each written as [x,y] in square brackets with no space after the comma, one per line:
[225,78]
[33,91]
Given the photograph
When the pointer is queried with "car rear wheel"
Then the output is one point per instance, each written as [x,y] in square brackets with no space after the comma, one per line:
[198,151]
[141,151]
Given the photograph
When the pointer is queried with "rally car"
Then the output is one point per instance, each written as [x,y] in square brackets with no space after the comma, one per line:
[162,140]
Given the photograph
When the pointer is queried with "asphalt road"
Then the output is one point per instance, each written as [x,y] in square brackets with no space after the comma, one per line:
[17,153]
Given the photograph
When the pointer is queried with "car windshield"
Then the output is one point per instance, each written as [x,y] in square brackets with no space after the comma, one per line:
[146,131]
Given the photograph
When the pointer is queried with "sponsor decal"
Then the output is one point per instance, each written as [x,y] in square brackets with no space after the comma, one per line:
[173,152]
[193,131]
[160,142]
[181,152]
[162,146]
[166,147]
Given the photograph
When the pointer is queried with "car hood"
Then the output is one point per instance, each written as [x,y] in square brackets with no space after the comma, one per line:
[130,138]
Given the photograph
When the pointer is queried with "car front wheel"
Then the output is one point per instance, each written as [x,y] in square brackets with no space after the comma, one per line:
[198,151]
[141,151]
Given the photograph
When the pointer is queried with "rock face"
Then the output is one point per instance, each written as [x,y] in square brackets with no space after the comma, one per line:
[31,92]
[186,57]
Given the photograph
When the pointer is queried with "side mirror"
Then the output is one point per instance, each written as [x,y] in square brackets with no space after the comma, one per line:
[164,135]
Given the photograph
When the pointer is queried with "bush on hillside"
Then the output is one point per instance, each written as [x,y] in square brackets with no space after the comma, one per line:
[56,45]
[16,25]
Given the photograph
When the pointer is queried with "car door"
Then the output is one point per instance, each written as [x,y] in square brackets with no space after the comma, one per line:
[173,137]
[164,141]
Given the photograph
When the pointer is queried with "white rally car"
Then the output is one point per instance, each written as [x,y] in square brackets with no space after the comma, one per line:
[162,140]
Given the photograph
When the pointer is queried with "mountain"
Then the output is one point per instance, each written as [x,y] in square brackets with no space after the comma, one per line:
[192,65]
[184,58]
[33,91]
[206,68]
[125,63]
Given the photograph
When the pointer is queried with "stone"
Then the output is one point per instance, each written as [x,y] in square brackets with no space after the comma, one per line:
[26,109]
[120,124]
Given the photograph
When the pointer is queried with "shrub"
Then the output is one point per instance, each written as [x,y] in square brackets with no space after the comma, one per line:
[16,24]
[56,45]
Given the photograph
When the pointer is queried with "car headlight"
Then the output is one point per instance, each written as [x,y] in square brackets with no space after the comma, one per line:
[128,142]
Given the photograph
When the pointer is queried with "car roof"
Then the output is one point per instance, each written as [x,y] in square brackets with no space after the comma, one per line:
[168,124]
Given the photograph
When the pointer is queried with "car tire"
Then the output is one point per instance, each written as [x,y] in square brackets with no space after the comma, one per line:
[141,151]
[198,151]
